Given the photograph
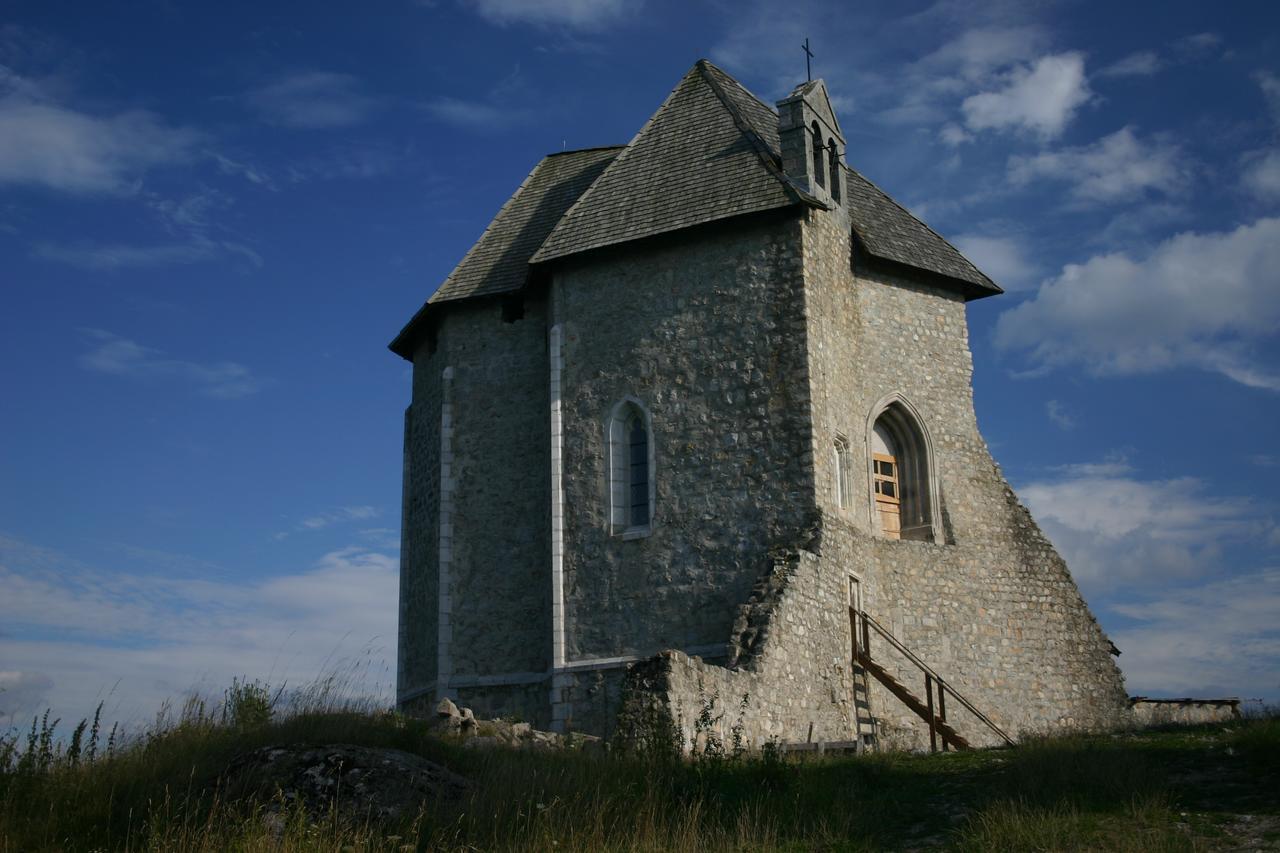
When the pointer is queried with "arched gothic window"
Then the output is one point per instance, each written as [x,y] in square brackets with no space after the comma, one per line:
[903,487]
[833,169]
[818,157]
[629,436]
[844,473]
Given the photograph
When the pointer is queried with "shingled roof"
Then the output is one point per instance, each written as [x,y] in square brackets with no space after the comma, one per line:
[499,260]
[710,152]
[888,231]
[704,155]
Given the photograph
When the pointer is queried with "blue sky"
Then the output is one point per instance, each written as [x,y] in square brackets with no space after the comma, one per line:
[213,217]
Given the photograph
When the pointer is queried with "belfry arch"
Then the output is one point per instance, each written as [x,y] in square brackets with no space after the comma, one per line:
[902,475]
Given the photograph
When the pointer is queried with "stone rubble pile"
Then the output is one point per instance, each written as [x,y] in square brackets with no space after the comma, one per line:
[359,782]
[458,722]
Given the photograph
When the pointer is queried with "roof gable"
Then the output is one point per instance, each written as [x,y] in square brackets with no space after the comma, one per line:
[710,152]
[888,231]
[499,260]
[704,155]
[815,94]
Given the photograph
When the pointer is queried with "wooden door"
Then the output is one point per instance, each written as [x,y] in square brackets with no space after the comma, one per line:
[888,494]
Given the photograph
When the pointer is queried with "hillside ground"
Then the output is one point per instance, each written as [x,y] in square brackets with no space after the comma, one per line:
[1195,788]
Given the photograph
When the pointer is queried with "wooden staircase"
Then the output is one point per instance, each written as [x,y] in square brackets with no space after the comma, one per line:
[933,714]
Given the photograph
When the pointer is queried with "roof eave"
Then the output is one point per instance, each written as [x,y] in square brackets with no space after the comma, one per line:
[969,290]
[405,343]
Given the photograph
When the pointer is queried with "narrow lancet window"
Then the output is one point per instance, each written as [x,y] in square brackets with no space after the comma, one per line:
[818,157]
[639,479]
[629,438]
[833,169]
[844,473]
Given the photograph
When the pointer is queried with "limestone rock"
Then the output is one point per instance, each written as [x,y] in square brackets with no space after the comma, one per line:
[360,782]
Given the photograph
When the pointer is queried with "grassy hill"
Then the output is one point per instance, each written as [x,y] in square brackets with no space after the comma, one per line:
[1203,788]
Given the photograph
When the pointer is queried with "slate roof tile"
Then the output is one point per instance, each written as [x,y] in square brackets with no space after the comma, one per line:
[889,231]
[498,262]
[711,151]
[692,162]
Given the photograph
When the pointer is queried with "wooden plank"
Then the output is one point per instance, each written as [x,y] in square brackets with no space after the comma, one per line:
[911,701]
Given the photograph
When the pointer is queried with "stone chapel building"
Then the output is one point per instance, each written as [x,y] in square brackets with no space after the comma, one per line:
[693,421]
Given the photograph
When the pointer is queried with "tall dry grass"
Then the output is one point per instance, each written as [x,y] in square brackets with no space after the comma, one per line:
[163,789]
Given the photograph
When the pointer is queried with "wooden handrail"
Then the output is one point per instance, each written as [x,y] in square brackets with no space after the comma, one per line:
[930,675]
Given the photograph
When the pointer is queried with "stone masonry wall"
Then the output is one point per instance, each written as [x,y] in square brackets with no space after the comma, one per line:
[419,531]
[707,331]
[753,345]
[499,590]
[796,685]
[992,609]
[1184,712]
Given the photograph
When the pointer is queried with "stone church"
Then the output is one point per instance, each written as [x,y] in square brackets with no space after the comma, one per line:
[692,427]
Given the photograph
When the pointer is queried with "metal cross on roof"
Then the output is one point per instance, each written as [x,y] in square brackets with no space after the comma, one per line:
[808,55]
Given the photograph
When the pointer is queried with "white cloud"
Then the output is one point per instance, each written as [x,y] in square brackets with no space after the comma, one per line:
[187,218]
[1002,258]
[1040,98]
[1196,46]
[196,249]
[926,91]
[119,356]
[159,636]
[114,257]
[1115,530]
[252,174]
[1260,169]
[475,114]
[22,694]
[1197,300]
[43,143]
[346,513]
[1144,63]
[1270,85]
[953,134]
[1114,465]
[1155,552]
[505,104]
[1117,168]
[968,48]
[1261,175]
[311,100]
[1219,639]
[977,53]
[1059,414]
[347,162]
[578,14]
[1135,224]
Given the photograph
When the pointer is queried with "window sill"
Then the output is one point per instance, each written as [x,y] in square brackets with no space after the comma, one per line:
[929,541]
[635,533]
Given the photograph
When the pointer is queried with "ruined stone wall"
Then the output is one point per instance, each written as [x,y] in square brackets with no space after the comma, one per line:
[707,331]
[499,593]
[1184,712]
[992,608]
[792,685]
[752,345]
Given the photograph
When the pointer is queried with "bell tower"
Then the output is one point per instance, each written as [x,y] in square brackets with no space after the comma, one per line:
[812,143]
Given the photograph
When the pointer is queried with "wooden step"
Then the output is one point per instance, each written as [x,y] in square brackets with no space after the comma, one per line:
[898,689]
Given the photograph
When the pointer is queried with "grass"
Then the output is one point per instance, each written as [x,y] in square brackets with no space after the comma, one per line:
[1179,789]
